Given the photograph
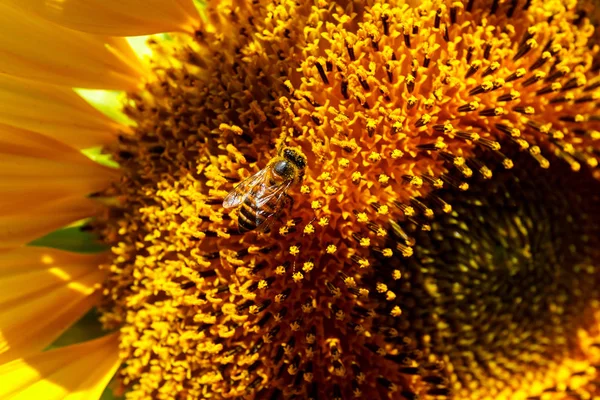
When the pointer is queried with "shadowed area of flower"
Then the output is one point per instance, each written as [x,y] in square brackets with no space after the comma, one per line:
[442,241]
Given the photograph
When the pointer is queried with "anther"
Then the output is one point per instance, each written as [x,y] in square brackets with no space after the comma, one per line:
[493,67]
[492,112]
[519,73]
[406,209]
[568,97]
[344,89]
[480,167]
[537,75]
[559,73]
[573,83]
[512,95]
[487,50]
[484,87]
[472,106]
[385,22]
[527,110]
[455,183]
[446,36]
[445,207]
[350,50]
[322,72]
[424,120]
[406,39]
[541,61]
[474,67]
[435,182]
[438,18]
[419,205]
[513,132]
[410,83]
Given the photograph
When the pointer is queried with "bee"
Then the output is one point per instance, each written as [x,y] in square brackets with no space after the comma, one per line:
[262,196]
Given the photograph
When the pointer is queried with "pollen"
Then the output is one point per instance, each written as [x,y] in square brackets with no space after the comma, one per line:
[417,217]
[362,217]
[305,189]
[330,190]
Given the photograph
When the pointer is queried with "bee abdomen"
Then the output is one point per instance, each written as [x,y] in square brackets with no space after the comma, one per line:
[246,223]
[251,216]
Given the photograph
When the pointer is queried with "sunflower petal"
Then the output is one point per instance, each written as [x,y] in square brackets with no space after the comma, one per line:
[33,48]
[77,372]
[54,111]
[20,227]
[42,292]
[118,17]
[35,169]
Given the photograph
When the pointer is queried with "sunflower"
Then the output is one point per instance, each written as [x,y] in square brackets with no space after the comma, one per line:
[442,243]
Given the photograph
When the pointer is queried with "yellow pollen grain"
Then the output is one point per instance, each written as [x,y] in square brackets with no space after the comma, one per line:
[330,190]
[374,157]
[356,176]
[316,204]
[350,282]
[331,249]
[383,179]
[383,210]
[396,311]
[308,266]
[343,162]
[323,221]
[396,154]
[362,217]
[294,250]
[309,229]
[325,176]
[381,287]
[297,277]
[365,242]
[304,189]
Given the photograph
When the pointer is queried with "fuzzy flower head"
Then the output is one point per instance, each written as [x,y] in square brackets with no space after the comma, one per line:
[398,109]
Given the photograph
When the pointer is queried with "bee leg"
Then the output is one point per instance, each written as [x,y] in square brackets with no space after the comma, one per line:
[290,201]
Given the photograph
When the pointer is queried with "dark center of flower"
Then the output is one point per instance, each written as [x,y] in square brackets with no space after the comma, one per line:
[507,282]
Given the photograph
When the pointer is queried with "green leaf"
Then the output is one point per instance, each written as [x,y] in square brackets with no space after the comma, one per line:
[96,154]
[71,239]
[108,102]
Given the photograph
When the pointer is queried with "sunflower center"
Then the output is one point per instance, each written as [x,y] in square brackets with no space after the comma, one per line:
[387,103]
[505,283]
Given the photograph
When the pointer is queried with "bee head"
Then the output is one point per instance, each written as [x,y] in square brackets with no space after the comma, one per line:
[295,157]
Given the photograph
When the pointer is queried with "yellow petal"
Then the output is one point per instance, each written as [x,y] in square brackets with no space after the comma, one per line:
[54,111]
[77,372]
[35,169]
[42,292]
[34,48]
[18,227]
[118,17]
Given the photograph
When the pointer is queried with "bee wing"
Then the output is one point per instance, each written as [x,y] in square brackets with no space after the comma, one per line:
[243,189]
[275,196]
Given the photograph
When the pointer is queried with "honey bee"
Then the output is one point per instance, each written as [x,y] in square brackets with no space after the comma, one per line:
[262,196]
